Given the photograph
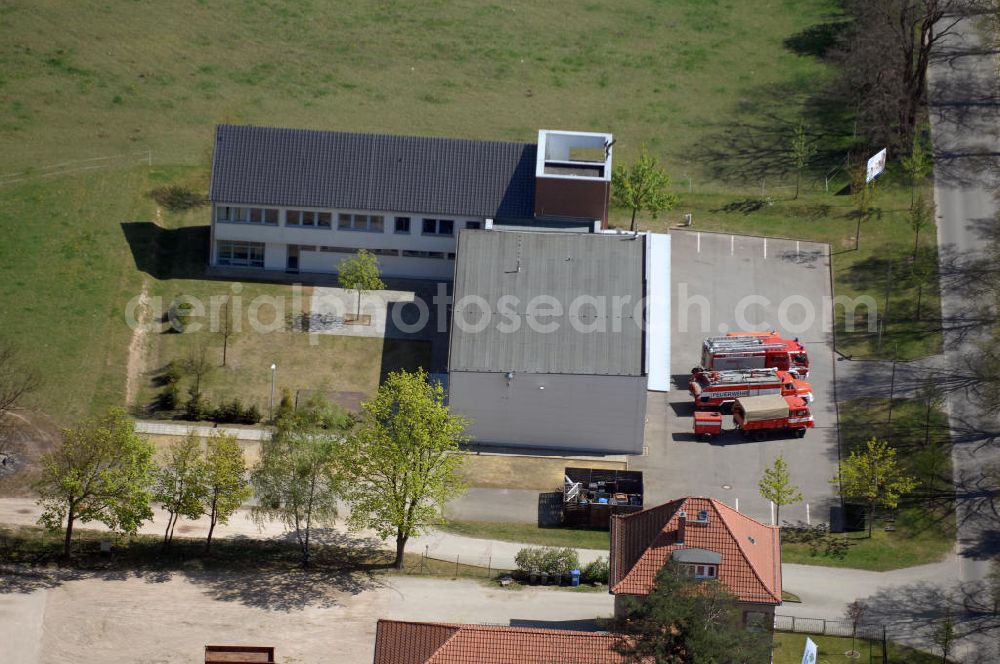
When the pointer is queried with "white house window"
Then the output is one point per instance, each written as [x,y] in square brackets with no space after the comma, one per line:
[402,225]
[246,215]
[367,223]
[702,571]
[423,254]
[309,219]
[243,254]
[438,227]
[474,224]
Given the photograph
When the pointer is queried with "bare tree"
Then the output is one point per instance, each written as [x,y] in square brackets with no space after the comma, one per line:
[198,365]
[16,382]
[855,614]
[886,57]
[226,327]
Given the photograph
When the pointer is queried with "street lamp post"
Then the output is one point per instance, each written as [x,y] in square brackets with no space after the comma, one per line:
[270,404]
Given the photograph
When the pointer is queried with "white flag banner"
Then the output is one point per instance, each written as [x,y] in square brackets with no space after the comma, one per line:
[810,653]
[876,165]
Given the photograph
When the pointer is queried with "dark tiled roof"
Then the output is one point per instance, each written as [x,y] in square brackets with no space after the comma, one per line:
[342,170]
[434,643]
[643,542]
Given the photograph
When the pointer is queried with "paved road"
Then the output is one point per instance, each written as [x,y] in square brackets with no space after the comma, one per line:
[965,118]
[726,283]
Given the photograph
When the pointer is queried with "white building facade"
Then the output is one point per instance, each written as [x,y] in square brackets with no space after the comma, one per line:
[291,200]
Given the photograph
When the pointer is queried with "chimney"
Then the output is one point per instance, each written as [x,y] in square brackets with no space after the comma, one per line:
[573,175]
[681,526]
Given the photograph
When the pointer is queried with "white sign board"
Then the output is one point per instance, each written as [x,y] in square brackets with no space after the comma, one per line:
[876,165]
[810,653]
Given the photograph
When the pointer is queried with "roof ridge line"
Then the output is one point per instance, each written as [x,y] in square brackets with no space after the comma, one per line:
[739,544]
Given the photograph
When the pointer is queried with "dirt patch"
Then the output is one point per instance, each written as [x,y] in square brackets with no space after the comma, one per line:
[137,348]
[503,471]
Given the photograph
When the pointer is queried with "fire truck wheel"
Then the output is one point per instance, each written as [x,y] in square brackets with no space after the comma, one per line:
[759,435]
[800,433]
[707,437]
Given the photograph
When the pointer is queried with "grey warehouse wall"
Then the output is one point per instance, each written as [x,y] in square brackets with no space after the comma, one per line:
[572,412]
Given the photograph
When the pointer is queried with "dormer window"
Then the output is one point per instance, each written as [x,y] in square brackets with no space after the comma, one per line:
[698,563]
[702,571]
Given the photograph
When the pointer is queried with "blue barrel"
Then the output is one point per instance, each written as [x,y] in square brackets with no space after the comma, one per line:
[574,577]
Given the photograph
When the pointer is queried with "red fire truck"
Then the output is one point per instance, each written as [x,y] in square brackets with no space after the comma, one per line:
[757,417]
[714,389]
[750,350]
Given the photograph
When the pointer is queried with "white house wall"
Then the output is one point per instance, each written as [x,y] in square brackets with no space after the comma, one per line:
[277,238]
[557,411]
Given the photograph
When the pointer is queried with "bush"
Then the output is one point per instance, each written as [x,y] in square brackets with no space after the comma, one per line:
[197,408]
[529,560]
[546,559]
[595,572]
[234,412]
[286,406]
[179,315]
[560,561]
[251,415]
[177,199]
[169,398]
[171,374]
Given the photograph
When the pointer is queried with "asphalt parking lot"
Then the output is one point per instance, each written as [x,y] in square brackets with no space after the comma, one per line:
[723,283]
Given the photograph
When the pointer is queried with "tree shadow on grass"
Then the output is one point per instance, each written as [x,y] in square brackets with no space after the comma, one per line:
[168,253]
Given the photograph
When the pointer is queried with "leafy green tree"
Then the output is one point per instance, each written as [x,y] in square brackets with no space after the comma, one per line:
[801,150]
[776,486]
[642,186]
[922,271]
[874,476]
[863,194]
[296,478]
[687,621]
[943,635]
[360,272]
[99,472]
[180,483]
[917,165]
[401,464]
[226,483]
[919,220]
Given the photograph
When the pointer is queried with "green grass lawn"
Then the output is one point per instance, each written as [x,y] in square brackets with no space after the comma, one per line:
[831,649]
[923,530]
[530,534]
[714,88]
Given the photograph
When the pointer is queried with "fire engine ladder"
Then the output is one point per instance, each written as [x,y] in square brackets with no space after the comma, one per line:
[727,345]
[746,375]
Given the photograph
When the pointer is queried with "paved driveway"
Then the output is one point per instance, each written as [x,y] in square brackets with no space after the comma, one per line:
[725,283]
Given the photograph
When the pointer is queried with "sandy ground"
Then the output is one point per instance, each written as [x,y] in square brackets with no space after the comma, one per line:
[170,618]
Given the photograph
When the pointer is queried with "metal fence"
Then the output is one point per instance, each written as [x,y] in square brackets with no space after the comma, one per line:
[872,642]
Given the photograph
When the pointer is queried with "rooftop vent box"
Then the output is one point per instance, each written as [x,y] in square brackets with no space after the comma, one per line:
[573,175]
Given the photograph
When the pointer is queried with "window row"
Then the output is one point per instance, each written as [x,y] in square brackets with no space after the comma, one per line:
[702,571]
[247,215]
[450,255]
[308,218]
[367,223]
[244,254]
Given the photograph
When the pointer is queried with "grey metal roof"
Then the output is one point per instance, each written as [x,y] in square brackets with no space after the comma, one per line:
[566,266]
[325,169]
[697,556]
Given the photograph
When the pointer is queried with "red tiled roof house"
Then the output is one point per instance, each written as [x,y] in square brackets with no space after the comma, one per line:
[398,642]
[711,540]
